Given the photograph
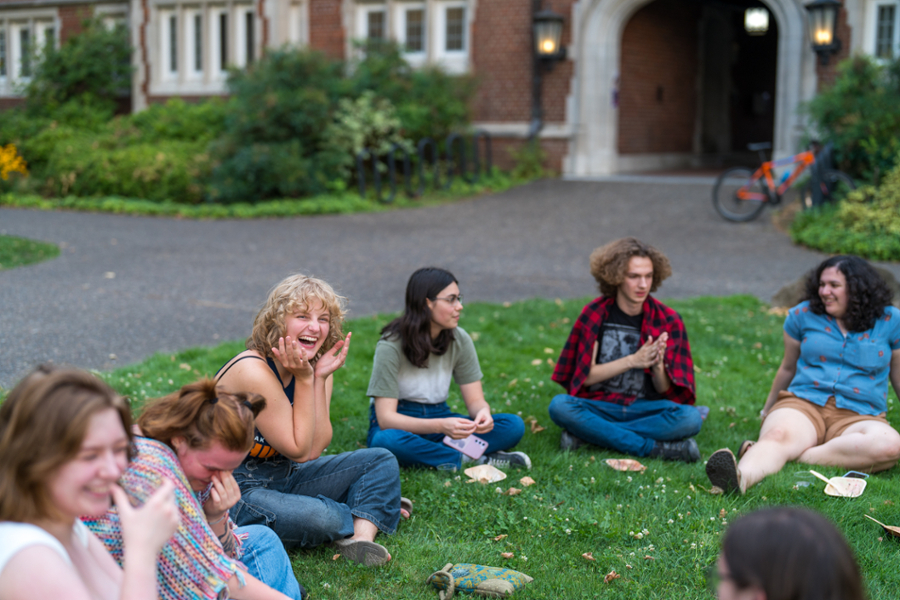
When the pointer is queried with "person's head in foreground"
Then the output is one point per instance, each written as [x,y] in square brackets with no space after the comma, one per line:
[306,309]
[210,430]
[65,440]
[786,553]
[629,270]
[848,289]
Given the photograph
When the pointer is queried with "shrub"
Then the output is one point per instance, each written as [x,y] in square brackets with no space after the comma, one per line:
[163,170]
[860,116]
[866,223]
[95,63]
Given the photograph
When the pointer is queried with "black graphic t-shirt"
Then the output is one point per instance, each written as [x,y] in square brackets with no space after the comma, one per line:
[620,336]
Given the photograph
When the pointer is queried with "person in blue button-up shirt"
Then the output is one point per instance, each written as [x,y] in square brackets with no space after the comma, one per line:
[828,401]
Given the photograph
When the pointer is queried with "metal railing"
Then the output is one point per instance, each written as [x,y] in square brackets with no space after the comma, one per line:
[456,148]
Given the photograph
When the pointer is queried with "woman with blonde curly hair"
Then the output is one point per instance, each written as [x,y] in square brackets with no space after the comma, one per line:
[296,345]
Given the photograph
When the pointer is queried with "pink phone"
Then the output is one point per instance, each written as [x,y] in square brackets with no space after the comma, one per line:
[472,446]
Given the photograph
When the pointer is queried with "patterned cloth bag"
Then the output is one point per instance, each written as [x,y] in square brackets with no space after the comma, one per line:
[494,582]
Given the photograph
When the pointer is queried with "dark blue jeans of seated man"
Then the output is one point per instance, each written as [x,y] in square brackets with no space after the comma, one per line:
[632,429]
[428,450]
[313,503]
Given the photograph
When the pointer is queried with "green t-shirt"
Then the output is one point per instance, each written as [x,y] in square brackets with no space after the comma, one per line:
[393,376]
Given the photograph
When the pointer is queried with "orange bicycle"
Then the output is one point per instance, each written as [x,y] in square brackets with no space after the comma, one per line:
[741,193]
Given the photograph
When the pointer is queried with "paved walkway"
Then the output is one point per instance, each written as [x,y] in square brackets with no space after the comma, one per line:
[132,286]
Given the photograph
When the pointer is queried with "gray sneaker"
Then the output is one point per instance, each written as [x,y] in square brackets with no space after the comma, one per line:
[568,442]
[505,460]
[683,450]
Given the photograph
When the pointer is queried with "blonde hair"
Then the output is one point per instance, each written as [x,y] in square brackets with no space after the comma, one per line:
[43,424]
[297,291]
[202,415]
[609,264]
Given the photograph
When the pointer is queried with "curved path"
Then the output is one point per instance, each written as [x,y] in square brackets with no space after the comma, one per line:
[132,286]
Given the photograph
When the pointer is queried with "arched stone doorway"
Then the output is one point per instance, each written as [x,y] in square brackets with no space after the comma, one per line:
[595,148]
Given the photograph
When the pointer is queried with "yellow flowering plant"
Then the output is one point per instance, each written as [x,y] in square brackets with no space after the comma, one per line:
[11,162]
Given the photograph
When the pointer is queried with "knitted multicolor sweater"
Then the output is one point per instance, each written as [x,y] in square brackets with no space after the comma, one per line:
[192,564]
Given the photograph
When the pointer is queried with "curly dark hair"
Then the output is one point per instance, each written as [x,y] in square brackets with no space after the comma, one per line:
[609,264]
[867,293]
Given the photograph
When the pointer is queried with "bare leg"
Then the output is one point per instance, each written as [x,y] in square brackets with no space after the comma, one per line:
[785,435]
[868,445]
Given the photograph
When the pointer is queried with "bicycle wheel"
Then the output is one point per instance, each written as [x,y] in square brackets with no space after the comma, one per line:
[834,186]
[725,197]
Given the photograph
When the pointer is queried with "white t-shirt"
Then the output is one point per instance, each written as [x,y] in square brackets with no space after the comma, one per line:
[15,537]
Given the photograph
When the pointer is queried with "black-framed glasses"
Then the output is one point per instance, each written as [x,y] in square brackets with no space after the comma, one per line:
[452,299]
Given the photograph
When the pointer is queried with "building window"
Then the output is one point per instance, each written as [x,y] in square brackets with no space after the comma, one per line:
[223,41]
[198,43]
[455,39]
[248,17]
[173,44]
[415,30]
[2,53]
[375,29]
[25,49]
[884,31]
[298,28]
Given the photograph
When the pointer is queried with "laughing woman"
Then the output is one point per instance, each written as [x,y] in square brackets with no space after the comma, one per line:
[828,400]
[308,499]
[417,356]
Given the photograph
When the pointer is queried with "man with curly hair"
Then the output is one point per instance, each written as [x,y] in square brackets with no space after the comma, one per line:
[627,366]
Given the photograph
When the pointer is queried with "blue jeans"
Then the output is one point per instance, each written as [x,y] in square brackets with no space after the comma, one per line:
[266,559]
[632,429]
[312,503]
[412,449]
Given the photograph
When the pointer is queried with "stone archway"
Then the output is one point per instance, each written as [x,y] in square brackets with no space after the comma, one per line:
[596,47]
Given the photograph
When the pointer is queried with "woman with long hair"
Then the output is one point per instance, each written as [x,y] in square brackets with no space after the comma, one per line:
[785,553]
[65,441]
[195,438]
[828,400]
[418,355]
[286,483]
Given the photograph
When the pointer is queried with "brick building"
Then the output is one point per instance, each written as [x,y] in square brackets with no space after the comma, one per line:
[645,84]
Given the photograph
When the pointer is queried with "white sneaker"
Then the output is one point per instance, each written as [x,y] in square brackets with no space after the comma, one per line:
[505,460]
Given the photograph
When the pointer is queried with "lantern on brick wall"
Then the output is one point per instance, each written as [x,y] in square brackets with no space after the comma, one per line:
[822,24]
[548,28]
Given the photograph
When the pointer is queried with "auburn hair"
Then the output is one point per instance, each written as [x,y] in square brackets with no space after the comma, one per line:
[609,264]
[43,424]
[202,415]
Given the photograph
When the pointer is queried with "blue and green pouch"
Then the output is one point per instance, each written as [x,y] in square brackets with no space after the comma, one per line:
[494,582]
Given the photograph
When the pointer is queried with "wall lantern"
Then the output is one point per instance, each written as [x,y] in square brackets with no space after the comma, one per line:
[547,29]
[822,22]
[756,21]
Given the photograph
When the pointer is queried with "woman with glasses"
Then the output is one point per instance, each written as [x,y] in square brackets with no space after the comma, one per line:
[286,482]
[417,356]
[785,553]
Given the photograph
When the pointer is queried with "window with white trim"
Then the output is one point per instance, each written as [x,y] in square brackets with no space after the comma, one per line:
[455,28]
[193,42]
[411,27]
[885,30]
[3,53]
[168,44]
[219,36]
[245,40]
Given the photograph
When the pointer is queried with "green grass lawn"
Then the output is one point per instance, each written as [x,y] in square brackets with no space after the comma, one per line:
[658,529]
[18,252]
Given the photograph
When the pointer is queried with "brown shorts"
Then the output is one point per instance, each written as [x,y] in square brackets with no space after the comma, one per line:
[829,420]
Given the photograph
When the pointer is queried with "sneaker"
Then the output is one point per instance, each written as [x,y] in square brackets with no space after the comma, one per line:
[721,468]
[683,450]
[568,442]
[505,460]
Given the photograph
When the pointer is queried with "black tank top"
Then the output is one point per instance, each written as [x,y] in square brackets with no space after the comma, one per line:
[261,448]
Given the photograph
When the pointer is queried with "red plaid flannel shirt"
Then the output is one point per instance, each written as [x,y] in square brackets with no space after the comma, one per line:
[575,360]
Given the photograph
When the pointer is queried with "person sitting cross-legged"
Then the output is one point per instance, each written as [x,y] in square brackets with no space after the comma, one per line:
[627,364]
